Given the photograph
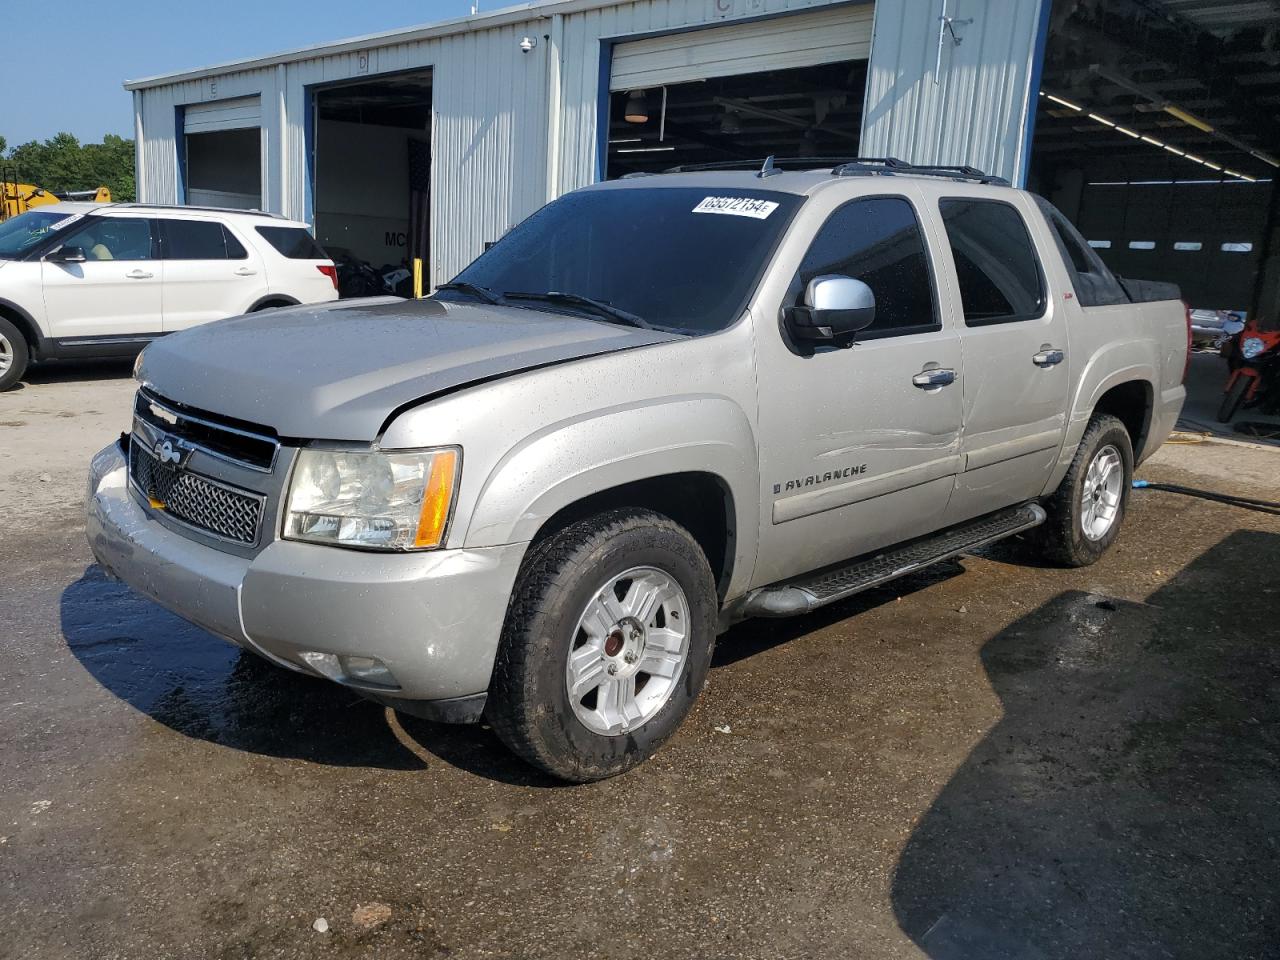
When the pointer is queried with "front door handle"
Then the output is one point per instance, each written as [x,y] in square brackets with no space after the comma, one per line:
[139,275]
[1048,356]
[245,272]
[934,379]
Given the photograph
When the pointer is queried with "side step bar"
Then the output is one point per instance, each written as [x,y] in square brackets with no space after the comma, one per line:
[835,583]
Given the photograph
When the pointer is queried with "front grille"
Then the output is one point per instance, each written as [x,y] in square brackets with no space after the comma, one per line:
[244,444]
[195,500]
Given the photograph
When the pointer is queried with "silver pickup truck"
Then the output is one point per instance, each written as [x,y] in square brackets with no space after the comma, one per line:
[657,406]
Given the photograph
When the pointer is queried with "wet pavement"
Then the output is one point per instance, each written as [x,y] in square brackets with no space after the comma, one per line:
[994,759]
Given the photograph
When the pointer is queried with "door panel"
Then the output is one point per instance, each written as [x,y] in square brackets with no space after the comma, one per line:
[857,450]
[116,292]
[209,273]
[1014,342]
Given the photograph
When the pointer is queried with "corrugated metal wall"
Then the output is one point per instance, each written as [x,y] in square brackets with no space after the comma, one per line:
[499,153]
[972,110]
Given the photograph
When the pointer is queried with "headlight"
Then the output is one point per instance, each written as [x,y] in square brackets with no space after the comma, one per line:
[377,501]
[1250,347]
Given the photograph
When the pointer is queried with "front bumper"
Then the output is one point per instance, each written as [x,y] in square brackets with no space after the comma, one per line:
[433,618]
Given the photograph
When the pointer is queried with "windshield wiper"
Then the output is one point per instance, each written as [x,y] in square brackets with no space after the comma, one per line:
[474,289]
[599,307]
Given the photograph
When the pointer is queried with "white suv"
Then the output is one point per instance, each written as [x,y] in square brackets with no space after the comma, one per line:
[103,280]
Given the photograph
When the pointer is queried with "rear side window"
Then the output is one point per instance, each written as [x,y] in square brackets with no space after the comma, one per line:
[877,241]
[295,243]
[200,240]
[996,264]
[1094,284]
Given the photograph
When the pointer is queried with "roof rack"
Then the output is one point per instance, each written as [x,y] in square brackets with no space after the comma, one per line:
[872,166]
[843,167]
[201,209]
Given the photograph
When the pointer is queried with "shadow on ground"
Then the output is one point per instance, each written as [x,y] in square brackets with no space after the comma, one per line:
[204,687]
[1126,804]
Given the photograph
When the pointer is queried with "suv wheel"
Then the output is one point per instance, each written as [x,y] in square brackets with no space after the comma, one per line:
[607,642]
[13,354]
[1087,509]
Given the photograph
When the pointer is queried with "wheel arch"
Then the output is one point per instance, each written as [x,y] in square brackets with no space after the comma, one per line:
[26,324]
[273,300]
[691,458]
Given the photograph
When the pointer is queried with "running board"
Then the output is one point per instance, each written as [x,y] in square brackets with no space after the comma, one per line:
[835,583]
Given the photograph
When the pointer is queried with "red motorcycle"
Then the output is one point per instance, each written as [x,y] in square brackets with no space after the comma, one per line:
[1254,360]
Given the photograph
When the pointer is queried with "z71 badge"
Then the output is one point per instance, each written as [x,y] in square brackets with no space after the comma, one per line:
[817,479]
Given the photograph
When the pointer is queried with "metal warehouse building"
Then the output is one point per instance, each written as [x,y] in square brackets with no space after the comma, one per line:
[1152,123]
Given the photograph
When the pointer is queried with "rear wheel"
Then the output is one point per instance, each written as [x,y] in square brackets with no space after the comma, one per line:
[1233,397]
[607,643]
[1087,509]
[13,354]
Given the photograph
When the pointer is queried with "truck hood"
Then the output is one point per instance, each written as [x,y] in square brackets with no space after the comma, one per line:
[336,372]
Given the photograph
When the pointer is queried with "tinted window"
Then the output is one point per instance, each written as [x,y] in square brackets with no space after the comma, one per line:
[293,242]
[996,264]
[1094,284]
[113,238]
[200,240]
[877,241]
[680,258]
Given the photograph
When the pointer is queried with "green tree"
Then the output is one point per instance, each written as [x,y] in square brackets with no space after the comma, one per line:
[61,164]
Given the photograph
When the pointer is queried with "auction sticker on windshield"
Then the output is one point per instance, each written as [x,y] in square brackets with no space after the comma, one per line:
[66,221]
[737,206]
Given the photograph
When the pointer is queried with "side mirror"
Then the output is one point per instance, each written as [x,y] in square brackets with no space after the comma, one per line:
[834,307]
[68,255]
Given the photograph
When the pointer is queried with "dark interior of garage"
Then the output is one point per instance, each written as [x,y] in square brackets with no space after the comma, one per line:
[224,168]
[372,169]
[802,112]
[1156,134]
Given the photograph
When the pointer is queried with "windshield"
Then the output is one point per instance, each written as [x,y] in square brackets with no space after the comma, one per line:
[30,229]
[676,258]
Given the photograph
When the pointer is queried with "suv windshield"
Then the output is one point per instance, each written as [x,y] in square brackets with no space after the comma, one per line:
[30,229]
[675,258]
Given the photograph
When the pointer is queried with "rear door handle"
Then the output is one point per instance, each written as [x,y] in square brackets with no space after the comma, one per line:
[1048,356]
[934,379]
[139,275]
[245,272]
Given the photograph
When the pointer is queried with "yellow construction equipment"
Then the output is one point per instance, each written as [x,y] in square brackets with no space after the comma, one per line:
[16,198]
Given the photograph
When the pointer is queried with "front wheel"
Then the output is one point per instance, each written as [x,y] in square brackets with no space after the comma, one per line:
[607,643]
[1087,509]
[1233,396]
[13,354]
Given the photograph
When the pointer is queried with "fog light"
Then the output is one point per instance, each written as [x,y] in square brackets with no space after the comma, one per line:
[325,664]
[368,671]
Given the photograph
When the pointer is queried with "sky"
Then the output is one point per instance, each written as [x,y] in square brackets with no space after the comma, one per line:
[69,77]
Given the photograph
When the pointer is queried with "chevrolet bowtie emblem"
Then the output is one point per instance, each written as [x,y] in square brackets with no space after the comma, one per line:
[174,451]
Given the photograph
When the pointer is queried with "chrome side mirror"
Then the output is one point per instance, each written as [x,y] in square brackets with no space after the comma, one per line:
[835,307]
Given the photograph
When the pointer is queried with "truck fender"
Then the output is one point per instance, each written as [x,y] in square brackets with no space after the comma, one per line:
[575,458]
[1116,363]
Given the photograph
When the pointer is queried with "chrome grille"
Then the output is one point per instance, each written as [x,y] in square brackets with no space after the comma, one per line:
[195,500]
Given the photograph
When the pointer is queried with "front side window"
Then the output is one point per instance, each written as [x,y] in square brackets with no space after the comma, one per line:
[684,259]
[200,240]
[878,241]
[996,264]
[113,238]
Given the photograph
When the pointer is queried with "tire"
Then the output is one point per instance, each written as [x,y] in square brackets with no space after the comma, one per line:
[1063,537]
[14,355]
[1233,397]
[530,706]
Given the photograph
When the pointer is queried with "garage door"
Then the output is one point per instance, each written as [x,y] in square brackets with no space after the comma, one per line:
[777,43]
[222,115]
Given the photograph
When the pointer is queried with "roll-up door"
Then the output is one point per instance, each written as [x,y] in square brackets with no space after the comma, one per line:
[220,115]
[776,43]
